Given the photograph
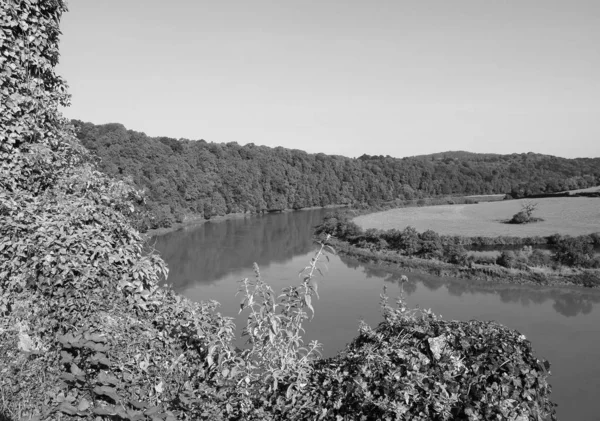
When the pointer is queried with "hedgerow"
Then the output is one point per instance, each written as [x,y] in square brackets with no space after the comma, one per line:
[568,251]
[86,332]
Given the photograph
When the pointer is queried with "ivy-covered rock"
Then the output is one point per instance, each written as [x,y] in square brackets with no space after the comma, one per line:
[415,366]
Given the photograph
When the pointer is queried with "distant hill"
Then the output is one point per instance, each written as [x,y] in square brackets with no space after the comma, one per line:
[184,177]
[461,155]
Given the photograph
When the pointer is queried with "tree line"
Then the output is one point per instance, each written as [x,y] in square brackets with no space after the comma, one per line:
[182,177]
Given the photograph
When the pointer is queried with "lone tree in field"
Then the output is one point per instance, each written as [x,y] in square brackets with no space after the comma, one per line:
[525,215]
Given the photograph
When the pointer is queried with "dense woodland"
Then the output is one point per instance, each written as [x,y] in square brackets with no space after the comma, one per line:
[184,176]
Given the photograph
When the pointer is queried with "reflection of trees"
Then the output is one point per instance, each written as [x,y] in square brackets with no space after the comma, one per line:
[566,301]
[210,251]
[571,305]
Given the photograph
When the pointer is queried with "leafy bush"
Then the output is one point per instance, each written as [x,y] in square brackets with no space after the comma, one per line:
[485,260]
[507,258]
[455,254]
[416,366]
[520,218]
[431,245]
[539,258]
[572,251]
[339,225]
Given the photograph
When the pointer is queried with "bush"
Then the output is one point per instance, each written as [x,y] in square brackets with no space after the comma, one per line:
[507,259]
[519,218]
[485,260]
[539,258]
[416,366]
[574,251]
[431,245]
[456,254]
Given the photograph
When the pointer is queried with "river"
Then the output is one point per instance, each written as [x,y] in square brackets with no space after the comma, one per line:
[207,261]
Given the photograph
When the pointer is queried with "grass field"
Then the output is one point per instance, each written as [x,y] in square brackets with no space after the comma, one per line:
[588,190]
[574,216]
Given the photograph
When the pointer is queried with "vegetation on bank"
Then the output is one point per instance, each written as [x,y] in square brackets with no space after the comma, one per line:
[194,177]
[86,333]
[525,215]
[573,259]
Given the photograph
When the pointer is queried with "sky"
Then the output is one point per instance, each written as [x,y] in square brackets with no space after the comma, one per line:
[350,77]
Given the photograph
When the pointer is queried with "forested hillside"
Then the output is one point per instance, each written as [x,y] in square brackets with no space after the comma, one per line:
[184,176]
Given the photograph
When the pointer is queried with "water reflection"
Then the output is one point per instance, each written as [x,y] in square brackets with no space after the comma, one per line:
[566,301]
[209,252]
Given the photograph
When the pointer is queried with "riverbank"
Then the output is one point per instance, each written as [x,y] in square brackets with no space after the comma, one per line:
[474,272]
[194,220]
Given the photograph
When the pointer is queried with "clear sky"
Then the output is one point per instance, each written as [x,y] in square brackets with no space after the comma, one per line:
[347,77]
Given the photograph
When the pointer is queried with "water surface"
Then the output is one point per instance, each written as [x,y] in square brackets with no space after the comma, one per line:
[563,324]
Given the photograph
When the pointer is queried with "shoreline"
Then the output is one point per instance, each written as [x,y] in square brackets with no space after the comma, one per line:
[482,274]
[197,220]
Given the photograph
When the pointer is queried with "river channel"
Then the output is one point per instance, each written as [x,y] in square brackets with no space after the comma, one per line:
[207,261]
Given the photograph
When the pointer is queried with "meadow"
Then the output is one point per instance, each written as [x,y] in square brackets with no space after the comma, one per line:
[562,215]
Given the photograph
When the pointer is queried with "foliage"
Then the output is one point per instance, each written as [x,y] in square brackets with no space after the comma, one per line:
[85,331]
[415,366]
[277,359]
[212,179]
[574,251]
[520,259]
[525,215]
[570,251]
[431,244]
[456,254]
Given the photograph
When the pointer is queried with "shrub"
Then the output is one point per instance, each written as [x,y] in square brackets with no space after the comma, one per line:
[539,258]
[431,244]
[410,243]
[507,259]
[574,251]
[416,366]
[525,215]
[339,225]
[485,260]
[455,254]
[519,218]
[595,238]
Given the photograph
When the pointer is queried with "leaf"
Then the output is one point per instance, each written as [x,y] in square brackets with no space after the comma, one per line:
[26,343]
[67,408]
[137,404]
[66,357]
[307,300]
[67,377]
[105,411]
[152,410]
[107,379]
[107,391]
[159,388]
[100,359]
[83,405]
[76,371]
[97,338]
[144,364]
[289,392]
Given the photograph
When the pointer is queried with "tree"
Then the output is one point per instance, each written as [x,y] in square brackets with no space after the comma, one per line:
[431,244]
[574,251]
[525,215]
